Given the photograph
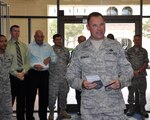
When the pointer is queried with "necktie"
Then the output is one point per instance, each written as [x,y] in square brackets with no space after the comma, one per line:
[19,57]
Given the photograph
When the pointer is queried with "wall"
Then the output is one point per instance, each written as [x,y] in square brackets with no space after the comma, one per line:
[28,8]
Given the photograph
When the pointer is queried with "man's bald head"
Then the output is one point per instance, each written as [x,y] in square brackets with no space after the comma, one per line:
[39,37]
[81,39]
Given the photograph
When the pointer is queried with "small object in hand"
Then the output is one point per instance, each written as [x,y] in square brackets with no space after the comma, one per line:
[99,84]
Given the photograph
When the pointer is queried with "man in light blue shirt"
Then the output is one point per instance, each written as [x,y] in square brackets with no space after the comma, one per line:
[41,54]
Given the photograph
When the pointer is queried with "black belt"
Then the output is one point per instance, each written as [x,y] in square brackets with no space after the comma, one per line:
[38,70]
[20,70]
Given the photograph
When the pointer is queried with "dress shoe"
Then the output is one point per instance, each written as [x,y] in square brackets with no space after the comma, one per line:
[64,114]
[130,112]
[51,116]
[78,113]
[143,112]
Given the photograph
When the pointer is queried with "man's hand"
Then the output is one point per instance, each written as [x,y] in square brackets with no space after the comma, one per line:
[88,85]
[20,75]
[136,73]
[115,84]
[38,67]
[47,61]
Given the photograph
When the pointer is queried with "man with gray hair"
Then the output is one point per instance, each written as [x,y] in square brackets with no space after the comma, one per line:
[41,55]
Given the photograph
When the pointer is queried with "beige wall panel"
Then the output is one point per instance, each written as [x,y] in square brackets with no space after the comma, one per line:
[39,24]
[23,23]
[29,7]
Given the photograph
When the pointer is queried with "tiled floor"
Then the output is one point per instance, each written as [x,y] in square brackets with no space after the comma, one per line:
[76,117]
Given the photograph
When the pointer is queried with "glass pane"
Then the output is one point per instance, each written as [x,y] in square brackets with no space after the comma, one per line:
[72,31]
[123,7]
[146,6]
[52,29]
[121,31]
[145,44]
[52,10]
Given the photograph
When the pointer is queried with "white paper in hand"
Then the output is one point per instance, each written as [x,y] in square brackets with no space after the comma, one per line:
[92,78]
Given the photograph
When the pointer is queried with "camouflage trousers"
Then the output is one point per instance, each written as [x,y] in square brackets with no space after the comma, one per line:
[5,107]
[103,116]
[58,90]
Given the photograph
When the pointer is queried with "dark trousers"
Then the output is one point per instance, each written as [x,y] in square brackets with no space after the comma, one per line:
[18,90]
[78,98]
[37,80]
[138,85]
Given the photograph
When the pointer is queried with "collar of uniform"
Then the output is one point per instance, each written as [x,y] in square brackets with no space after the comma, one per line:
[88,42]
[136,47]
[55,47]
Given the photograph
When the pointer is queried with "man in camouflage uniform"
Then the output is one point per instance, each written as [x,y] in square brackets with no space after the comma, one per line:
[100,70]
[5,90]
[81,39]
[58,86]
[138,58]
